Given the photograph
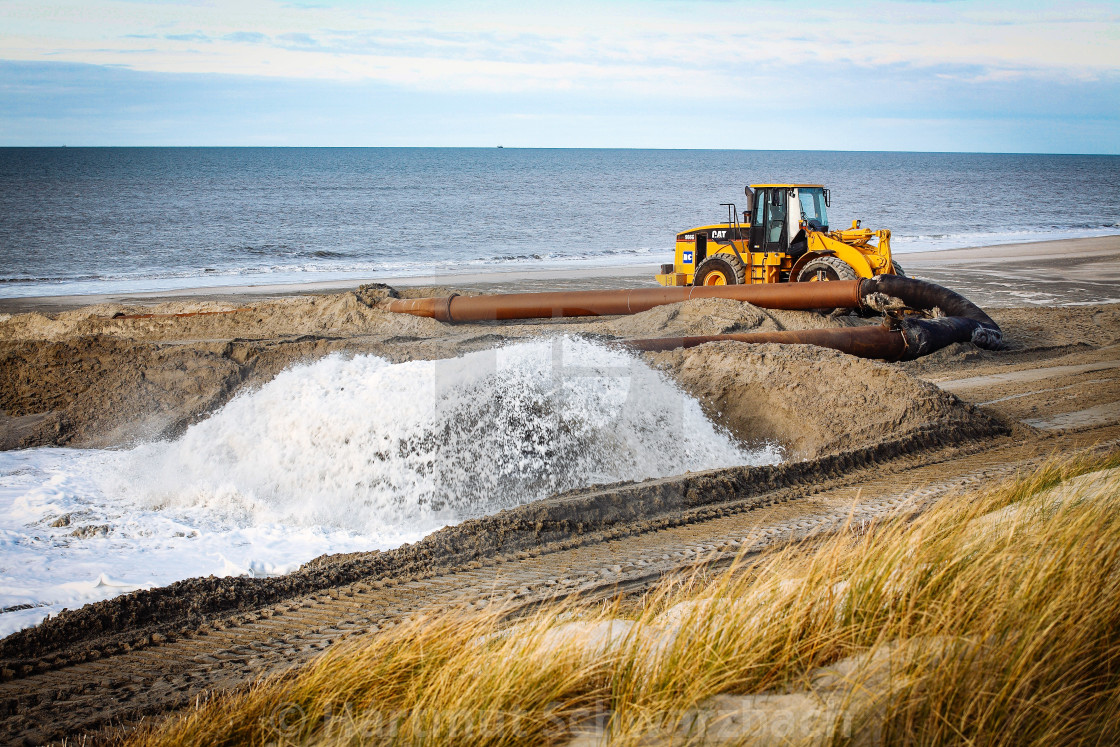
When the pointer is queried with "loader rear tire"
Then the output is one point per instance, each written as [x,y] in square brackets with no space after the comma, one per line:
[826,268]
[720,269]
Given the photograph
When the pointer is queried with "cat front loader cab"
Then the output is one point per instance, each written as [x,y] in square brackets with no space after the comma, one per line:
[783,237]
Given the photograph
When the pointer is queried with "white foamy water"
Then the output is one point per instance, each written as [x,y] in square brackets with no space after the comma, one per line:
[341,455]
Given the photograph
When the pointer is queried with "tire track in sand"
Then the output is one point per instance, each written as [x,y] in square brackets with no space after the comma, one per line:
[117,686]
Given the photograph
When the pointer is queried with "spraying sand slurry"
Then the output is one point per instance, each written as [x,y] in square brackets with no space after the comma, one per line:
[881,435]
[344,454]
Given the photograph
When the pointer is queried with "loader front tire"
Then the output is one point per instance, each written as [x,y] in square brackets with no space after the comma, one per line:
[721,269]
[826,268]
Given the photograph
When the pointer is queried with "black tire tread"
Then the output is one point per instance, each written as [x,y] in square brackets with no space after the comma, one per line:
[842,269]
[737,268]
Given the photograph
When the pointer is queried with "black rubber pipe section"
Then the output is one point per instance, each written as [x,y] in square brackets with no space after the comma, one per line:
[956,319]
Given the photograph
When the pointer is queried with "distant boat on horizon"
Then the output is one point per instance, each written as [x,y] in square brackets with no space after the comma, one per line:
[499,146]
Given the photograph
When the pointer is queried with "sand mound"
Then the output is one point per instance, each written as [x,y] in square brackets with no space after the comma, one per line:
[338,314]
[811,400]
[707,316]
[716,316]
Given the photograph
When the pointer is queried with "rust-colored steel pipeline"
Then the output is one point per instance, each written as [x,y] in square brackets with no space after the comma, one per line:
[956,319]
[879,342]
[793,296]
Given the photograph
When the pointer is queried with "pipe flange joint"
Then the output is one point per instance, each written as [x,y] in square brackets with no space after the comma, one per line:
[442,312]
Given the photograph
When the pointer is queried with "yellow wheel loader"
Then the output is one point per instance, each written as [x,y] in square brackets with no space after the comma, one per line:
[784,237]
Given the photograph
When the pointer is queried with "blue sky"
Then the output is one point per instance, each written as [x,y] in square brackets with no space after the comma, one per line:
[885,75]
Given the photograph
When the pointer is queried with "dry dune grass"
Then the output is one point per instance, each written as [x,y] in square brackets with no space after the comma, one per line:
[993,618]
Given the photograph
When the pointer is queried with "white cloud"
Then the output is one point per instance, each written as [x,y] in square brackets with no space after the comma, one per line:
[691,49]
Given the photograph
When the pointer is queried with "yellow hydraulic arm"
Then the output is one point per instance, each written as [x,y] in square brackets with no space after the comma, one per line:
[854,247]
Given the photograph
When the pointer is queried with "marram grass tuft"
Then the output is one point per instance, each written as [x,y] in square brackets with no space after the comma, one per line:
[993,618]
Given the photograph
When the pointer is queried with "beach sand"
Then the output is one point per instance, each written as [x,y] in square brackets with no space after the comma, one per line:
[84,371]
[1088,268]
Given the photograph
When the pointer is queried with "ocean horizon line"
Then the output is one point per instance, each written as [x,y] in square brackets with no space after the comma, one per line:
[67,146]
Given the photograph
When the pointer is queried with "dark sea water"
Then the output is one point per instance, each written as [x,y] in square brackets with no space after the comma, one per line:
[88,220]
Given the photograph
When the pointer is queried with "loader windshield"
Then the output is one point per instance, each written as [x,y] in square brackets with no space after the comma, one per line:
[813,210]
